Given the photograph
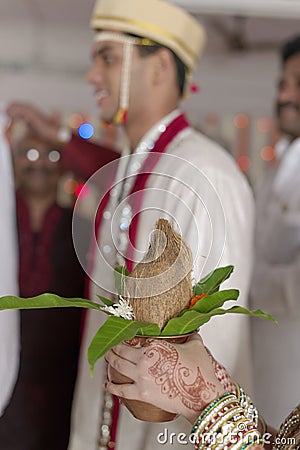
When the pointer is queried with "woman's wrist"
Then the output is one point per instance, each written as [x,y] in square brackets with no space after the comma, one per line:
[193,415]
[229,421]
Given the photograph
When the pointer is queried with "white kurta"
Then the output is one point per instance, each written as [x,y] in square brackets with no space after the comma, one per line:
[275,286]
[9,325]
[218,226]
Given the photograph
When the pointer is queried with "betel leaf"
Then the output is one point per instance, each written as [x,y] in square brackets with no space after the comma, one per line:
[120,274]
[105,300]
[111,333]
[212,282]
[213,301]
[45,301]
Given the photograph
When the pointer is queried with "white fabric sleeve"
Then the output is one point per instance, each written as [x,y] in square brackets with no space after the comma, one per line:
[9,320]
[275,287]
[228,337]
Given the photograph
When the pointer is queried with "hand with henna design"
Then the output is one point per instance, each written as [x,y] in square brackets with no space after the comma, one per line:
[179,378]
[222,375]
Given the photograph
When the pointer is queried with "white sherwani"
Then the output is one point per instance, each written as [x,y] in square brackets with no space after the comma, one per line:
[276,284]
[9,331]
[200,189]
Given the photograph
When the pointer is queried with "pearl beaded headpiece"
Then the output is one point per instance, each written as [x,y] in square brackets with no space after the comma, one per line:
[127,41]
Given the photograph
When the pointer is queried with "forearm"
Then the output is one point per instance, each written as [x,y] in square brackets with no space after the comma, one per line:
[81,156]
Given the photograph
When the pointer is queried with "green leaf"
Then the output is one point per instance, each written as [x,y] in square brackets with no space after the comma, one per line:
[120,272]
[207,304]
[105,300]
[150,330]
[192,320]
[45,301]
[111,333]
[212,282]
[241,310]
[187,323]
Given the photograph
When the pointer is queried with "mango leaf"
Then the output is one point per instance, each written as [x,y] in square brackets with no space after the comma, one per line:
[211,283]
[187,323]
[45,301]
[105,300]
[241,310]
[151,330]
[192,320]
[120,273]
[213,301]
[111,333]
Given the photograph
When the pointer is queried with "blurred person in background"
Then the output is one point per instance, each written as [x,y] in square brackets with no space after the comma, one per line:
[276,278]
[38,415]
[9,320]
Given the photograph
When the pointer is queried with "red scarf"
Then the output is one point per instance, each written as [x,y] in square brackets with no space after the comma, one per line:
[175,127]
[172,130]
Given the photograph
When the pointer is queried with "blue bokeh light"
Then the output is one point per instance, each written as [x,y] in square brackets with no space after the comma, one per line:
[86,130]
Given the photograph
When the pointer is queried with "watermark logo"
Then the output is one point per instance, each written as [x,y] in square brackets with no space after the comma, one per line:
[172,438]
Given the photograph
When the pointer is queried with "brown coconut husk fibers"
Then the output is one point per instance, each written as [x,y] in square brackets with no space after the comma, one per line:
[160,286]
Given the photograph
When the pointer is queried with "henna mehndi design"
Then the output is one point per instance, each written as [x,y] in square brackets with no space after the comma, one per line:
[172,376]
[222,375]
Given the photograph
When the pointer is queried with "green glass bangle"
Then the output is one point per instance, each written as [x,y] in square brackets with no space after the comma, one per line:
[209,407]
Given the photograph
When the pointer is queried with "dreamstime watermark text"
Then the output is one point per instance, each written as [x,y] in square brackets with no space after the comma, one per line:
[172,438]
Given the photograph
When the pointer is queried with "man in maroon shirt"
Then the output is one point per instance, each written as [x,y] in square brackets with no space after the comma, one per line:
[39,413]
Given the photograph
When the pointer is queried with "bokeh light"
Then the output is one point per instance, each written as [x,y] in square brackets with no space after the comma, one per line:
[82,191]
[244,163]
[70,186]
[33,154]
[264,125]
[86,130]
[75,120]
[54,156]
[267,153]
[241,121]
[211,119]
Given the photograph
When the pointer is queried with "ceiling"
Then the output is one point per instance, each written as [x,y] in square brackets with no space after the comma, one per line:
[57,32]
[259,8]
[46,43]
[54,11]
[78,11]
[54,35]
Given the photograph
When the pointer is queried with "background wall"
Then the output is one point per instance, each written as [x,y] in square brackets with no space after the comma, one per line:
[44,55]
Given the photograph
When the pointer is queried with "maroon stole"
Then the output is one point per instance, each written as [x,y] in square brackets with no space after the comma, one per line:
[174,128]
[36,269]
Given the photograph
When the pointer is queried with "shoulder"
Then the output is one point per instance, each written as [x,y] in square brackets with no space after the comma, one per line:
[198,148]
[216,163]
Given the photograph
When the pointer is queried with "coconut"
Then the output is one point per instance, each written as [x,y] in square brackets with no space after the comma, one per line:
[160,286]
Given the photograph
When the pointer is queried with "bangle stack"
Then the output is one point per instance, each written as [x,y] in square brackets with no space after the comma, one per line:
[226,424]
[246,403]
